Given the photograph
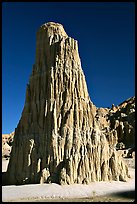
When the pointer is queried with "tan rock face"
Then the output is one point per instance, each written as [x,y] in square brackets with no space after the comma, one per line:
[58,138]
[123,121]
[118,123]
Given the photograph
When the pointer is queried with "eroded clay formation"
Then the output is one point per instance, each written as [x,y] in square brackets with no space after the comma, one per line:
[59,138]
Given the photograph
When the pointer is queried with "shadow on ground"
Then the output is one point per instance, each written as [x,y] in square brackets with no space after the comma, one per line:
[4,179]
[124,194]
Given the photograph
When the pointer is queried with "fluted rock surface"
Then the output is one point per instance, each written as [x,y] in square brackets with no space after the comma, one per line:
[122,119]
[58,138]
[118,123]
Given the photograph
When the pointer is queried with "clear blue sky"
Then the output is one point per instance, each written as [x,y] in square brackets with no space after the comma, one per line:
[106,37]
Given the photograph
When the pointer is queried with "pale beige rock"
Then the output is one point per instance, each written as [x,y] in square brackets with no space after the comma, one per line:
[58,138]
[118,123]
[7,140]
[123,121]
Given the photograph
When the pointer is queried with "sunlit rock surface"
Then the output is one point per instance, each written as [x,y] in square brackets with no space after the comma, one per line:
[60,137]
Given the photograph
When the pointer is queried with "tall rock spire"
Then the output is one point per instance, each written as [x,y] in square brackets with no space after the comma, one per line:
[57,138]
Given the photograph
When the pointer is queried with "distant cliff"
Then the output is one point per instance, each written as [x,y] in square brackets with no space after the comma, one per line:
[119,121]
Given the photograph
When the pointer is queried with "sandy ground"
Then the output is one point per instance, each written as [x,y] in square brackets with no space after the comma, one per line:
[97,191]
